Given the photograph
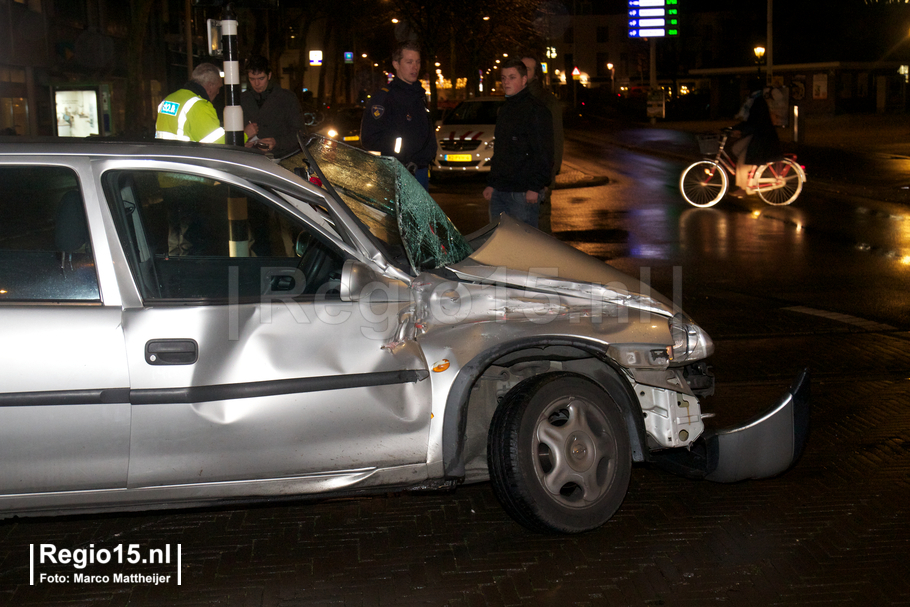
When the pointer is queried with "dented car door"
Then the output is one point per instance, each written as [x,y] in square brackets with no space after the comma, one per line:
[245,364]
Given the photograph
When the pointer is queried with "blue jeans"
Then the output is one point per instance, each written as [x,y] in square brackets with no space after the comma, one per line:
[423,177]
[515,205]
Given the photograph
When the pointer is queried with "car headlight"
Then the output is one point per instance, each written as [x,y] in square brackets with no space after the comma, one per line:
[332,133]
[690,342]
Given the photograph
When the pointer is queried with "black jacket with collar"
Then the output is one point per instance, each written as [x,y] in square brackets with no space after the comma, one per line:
[277,112]
[523,147]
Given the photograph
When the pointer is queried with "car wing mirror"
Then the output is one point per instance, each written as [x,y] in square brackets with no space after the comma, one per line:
[359,282]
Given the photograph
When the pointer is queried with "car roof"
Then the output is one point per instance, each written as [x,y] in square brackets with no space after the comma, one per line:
[108,145]
[188,152]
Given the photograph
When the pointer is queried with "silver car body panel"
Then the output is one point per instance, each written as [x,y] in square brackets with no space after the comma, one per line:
[761,447]
[202,494]
[518,255]
[287,396]
[66,424]
[307,426]
[767,444]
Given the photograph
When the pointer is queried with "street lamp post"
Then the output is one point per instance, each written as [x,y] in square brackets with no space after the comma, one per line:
[612,78]
[759,53]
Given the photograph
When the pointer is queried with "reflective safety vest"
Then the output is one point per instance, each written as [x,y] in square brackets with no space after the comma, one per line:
[185,116]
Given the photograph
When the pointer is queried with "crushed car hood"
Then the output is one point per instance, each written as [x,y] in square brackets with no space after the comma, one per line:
[518,255]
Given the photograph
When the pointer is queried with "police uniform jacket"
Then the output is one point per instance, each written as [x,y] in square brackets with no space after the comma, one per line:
[399,110]
[277,112]
[523,149]
[188,115]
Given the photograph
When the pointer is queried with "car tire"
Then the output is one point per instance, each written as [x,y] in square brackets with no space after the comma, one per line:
[559,454]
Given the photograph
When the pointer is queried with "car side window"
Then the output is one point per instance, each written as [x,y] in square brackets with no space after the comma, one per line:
[192,238]
[45,249]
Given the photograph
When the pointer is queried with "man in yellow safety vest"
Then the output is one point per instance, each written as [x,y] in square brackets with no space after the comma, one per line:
[188,114]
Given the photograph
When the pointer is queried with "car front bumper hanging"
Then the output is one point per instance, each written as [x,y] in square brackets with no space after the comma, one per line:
[762,447]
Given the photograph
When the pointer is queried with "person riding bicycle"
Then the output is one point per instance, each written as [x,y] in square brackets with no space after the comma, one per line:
[758,143]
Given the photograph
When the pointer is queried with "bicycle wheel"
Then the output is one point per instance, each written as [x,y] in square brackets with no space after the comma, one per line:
[779,183]
[703,183]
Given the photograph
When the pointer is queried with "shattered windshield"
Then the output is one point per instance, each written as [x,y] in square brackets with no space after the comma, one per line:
[391,204]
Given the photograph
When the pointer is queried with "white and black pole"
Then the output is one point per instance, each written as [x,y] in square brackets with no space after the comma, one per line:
[233,114]
[239,237]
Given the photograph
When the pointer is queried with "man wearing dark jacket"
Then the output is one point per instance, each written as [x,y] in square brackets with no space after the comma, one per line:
[274,110]
[396,121]
[535,86]
[522,161]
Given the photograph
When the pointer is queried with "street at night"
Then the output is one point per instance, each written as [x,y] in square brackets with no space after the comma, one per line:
[818,284]
[285,323]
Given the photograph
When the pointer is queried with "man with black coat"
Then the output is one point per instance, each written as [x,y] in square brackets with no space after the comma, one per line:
[535,86]
[396,121]
[522,161]
[274,111]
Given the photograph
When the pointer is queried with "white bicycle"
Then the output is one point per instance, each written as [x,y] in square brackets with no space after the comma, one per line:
[705,183]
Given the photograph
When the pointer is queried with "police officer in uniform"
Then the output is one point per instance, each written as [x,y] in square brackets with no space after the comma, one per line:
[396,121]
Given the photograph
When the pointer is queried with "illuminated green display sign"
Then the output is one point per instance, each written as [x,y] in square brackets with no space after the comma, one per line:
[653,18]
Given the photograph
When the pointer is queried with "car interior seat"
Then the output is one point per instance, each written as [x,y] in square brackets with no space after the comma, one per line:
[71,230]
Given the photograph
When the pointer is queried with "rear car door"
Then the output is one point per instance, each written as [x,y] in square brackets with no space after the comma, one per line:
[64,384]
[244,362]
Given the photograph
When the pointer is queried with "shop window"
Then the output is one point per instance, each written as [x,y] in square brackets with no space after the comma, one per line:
[13,116]
[33,5]
[603,60]
[862,84]
[846,85]
[73,11]
[77,113]
[12,74]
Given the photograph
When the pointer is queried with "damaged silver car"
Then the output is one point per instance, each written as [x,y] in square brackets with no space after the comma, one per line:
[190,325]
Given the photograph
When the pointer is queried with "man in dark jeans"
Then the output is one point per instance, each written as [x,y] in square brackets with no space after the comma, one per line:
[396,121]
[522,161]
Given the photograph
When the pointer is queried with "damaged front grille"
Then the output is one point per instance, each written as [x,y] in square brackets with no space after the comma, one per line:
[700,379]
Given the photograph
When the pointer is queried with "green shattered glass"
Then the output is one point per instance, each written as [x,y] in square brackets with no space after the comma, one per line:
[392,205]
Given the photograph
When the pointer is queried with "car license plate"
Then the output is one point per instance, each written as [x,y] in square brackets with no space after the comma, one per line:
[458,157]
[352,138]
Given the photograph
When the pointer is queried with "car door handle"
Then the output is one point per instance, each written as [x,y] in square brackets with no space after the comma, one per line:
[171,352]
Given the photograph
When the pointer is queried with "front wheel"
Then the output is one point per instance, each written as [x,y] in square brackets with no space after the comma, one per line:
[559,454]
[703,183]
[779,183]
